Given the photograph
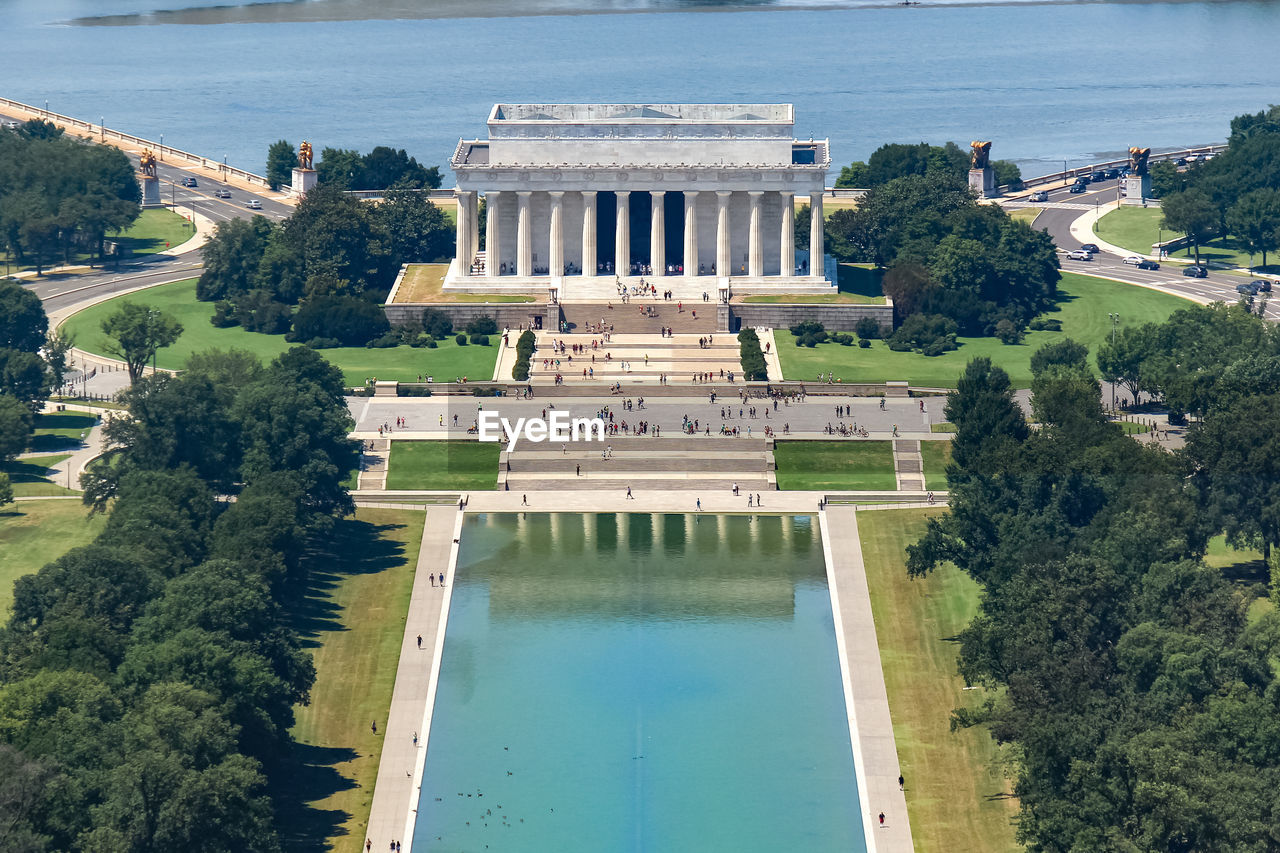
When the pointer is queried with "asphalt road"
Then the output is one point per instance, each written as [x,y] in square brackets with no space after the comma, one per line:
[1057,221]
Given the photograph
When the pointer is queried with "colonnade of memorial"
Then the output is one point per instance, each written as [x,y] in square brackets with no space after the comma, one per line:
[740,233]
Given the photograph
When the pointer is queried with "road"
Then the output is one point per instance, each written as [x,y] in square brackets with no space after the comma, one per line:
[1063,208]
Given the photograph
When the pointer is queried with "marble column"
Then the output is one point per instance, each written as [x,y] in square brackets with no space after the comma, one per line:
[690,233]
[555,266]
[755,256]
[622,235]
[473,203]
[657,233]
[589,233]
[464,251]
[815,235]
[524,236]
[724,264]
[787,263]
[492,234]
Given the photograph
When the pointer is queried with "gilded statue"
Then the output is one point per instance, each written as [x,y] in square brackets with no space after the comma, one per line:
[1138,160]
[148,163]
[980,155]
[304,155]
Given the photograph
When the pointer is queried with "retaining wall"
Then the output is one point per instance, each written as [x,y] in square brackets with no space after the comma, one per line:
[834,318]
[511,315]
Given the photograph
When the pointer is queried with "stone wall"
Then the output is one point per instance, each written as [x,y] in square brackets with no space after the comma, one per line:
[835,318]
[511,315]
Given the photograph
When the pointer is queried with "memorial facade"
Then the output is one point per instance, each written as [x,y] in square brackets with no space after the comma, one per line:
[695,197]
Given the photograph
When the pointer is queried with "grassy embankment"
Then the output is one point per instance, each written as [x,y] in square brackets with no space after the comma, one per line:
[957,796]
[937,456]
[404,364]
[843,465]
[1137,228]
[33,533]
[858,284]
[351,617]
[1083,311]
[154,231]
[461,465]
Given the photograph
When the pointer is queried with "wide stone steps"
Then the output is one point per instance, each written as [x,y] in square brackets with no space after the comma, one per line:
[671,483]
[628,319]
[595,466]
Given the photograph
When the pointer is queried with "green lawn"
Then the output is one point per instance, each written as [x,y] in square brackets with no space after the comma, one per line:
[957,797]
[943,427]
[1083,311]
[148,235]
[843,465]
[1137,228]
[33,533]
[937,456]
[30,477]
[61,430]
[458,465]
[403,364]
[1026,214]
[859,284]
[352,619]
[1131,428]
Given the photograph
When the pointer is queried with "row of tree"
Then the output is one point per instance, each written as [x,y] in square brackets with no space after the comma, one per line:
[896,160]
[1139,693]
[60,195]
[149,678]
[347,169]
[334,250]
[1235,193]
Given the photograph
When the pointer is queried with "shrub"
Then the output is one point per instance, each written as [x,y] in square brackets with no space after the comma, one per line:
[1046,324]
[436,323]
[482,326]
[864,343]
[843,339]
[753,364]
[324,343]
[919,331]
[390,339]
[524,349]
[808,327]
[461,339]
[479,340]
[867,328]
[403,390]
[350,320]
[1008,332]
[224,314]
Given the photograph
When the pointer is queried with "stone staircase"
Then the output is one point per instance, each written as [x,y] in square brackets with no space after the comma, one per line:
[373,464]
[681,463]
[629,318]
[679,357]
[908,465]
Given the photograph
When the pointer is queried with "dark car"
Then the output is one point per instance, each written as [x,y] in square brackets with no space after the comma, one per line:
[1091,248]
[1077,188]
[1083,179]
[1147,265]
[1124,171]
[1181,161]
[189,182]
[1113,173]
[1249,288]
[1264,285]
[1098,177]
[1195,271]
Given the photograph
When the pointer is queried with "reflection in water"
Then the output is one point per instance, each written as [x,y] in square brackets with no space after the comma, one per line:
[639,682]
[311,11]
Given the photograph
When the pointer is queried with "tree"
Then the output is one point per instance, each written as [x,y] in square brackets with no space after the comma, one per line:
[57,349]
[280,162]
[16,425]
[6,489]
[342,168]
[417,231]
[1192,213]
[1255,221]
[1007,174]
[25,376]
[984,412]
[22,783]
[385,168]
[853,176]
[137,332]
[1121,359]
[1064,353]
[232,258]
[23,323]
[1165,178]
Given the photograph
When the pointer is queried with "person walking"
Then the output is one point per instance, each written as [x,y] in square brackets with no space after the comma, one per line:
[629,497]
[419,641]
[524,500]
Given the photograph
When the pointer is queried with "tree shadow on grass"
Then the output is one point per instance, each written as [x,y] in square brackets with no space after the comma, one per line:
[307,776]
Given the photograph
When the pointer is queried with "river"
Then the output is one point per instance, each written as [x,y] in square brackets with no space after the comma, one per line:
[1046,82]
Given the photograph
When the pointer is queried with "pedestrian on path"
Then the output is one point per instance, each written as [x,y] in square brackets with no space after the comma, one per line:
[629,497]
[442,579]
[419,641]
[882,818]
[524,500]
[415,738]
[699,504]
[759,503]
[374,726]
[432,575]
[902,783]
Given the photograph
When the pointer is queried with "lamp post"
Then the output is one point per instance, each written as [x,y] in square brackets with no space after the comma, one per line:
[162,148]
[46,107]
[102,128]
[1115,318]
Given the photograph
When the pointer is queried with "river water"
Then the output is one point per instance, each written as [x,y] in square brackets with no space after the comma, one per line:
[1047,82]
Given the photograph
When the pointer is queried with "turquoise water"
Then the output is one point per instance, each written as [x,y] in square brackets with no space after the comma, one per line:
[639,682]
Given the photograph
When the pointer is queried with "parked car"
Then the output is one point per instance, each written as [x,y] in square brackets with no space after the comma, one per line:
[223,193]
[1264,285]
[253,204]
[1132,260]
[1083,179]
[1148,265]
[1079,255]
[1091,248]
[189,182]
[1077,188]
[1112,174]
[1248,288]
[1098,176]
[1181,161]
[1039,195]
[1195,271]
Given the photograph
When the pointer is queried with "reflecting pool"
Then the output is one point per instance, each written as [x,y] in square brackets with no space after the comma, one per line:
[639,682]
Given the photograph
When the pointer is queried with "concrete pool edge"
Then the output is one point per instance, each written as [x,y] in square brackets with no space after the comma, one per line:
[875,753]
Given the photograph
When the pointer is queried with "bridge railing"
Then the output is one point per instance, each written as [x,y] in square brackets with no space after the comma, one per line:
[105,133]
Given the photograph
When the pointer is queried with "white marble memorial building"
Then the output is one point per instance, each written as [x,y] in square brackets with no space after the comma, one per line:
[702,195]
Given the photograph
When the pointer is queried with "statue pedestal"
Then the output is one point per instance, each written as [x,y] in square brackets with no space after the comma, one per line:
[150,191]
[983,182]
[303,181]
[1137,189]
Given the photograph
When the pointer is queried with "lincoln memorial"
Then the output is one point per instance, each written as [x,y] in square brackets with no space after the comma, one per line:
[700,198]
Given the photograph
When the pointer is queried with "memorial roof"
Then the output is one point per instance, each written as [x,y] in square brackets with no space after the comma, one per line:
[608,113]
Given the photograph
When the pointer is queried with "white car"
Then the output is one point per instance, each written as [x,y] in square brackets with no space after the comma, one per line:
[1133,260]
[1079,255]
[253,204]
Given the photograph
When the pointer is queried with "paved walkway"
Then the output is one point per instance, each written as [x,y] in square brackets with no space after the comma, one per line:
[400,767]
[870,726]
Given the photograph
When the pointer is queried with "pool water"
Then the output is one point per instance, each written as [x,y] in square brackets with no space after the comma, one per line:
[639,682]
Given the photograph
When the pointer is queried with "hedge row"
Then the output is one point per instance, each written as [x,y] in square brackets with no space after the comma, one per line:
[524,350]
[753,366]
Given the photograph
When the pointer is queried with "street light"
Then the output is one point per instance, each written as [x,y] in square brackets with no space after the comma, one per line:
[102,128]
[162,148]
[1115,318]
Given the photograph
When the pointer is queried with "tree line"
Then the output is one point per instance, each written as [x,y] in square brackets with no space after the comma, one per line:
[1237,193]
[322,273]
[1135,686]
[149,678]
[895,160]
[59,195]
[348,169]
